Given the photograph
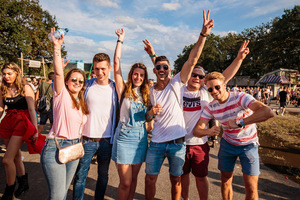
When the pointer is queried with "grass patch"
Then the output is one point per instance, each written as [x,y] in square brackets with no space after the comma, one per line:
[285,128]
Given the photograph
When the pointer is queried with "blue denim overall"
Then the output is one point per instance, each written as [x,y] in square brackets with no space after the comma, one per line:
[130,142]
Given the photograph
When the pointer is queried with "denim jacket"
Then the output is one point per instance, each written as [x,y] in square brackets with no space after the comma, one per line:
[115,118]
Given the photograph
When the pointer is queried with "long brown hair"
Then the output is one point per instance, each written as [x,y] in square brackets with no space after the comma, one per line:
[129,92]
[81,103]
[19,82]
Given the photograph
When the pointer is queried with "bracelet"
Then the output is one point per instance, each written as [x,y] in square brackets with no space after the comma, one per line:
[149,117]
[203,35]
[120,41]
[152,56]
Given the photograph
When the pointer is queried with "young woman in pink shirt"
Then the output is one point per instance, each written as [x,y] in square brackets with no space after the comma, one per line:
[69,110]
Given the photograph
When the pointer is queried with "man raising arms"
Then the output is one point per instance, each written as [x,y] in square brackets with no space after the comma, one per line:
[169,130]
[237,112]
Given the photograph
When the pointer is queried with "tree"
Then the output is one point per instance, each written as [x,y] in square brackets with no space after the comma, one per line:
[273,45]
[24,27]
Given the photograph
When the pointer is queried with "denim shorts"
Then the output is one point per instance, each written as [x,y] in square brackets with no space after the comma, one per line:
[156,154]
[45,116]
[248,155]
[130,144]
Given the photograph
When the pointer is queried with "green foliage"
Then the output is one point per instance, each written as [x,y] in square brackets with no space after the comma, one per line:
[24,27]
[272,46]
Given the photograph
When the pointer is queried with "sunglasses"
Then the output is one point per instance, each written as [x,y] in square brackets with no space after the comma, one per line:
[74,80]
[217,87]
[158,67]
[199,76]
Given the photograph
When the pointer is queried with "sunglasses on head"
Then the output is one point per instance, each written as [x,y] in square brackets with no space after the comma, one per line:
[74,80]
[158,67]
[199,76]
[217,87]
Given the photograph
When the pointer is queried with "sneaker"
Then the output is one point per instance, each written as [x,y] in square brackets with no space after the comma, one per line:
[276,112]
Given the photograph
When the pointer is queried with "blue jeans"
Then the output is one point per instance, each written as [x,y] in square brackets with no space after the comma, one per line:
[156,154]
[103,150]
[58,176]
[248,155]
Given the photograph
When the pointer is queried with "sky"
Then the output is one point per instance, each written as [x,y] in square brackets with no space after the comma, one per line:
[169,25]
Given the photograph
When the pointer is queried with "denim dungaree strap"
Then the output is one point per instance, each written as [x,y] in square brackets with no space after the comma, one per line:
[137,114]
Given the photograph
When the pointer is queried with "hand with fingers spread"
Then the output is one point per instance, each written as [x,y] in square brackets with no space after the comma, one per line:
[56,42]
[155,110]
[207,24]
[121,34]
[244,50]
[148,47]
[64,64]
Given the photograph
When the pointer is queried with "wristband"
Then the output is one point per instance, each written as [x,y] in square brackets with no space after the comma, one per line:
[242,123]
[120,41]
[149,117]
[203,35]
[152,56]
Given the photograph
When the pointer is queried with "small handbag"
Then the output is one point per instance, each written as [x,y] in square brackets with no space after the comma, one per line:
[70,153]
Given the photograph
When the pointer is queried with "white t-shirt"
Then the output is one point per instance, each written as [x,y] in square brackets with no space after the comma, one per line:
[99,101]
[170,123]
[193,106]
[125,107]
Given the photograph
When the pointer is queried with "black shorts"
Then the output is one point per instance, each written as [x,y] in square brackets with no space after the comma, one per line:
[282,104]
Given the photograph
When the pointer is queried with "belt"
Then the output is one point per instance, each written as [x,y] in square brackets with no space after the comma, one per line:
[178,140]
[93,139]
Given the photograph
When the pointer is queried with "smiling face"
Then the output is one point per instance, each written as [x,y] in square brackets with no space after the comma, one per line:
[217,90]
[194,83]
[161,73]
[138,77]
[9,75]
[75,82]
[101,70]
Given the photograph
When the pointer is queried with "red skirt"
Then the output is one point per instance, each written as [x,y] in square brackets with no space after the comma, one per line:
[14,123]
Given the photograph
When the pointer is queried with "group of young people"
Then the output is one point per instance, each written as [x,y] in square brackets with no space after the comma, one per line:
[113,118]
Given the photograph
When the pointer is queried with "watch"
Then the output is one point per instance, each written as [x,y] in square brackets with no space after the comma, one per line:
[240,123]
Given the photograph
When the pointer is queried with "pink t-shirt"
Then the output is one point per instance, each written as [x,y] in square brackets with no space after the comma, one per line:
[67,120]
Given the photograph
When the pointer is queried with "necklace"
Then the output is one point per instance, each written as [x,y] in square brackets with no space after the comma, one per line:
[77,99]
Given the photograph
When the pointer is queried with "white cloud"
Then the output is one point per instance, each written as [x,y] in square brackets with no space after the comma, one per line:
[106,3]
[171,6]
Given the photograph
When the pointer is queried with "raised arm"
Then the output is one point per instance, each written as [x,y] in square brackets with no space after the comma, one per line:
[57,63]
[197,50]
[232,69]
[120,85]
[150,50]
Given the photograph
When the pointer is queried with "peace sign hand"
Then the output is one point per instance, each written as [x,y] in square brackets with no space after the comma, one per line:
[244,50]
[207,24]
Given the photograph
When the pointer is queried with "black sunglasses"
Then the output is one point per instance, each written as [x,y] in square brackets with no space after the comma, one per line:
[199,76]
[74,80]
[166,67]
[217,87]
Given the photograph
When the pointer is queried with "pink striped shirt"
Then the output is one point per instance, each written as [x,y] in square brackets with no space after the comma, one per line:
[236,107]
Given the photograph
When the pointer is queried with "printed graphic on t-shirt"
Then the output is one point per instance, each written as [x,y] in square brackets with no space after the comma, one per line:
[191,104]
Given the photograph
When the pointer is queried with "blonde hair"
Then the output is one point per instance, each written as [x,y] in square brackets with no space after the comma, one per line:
[19,82]
[214,76]
[129,92]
